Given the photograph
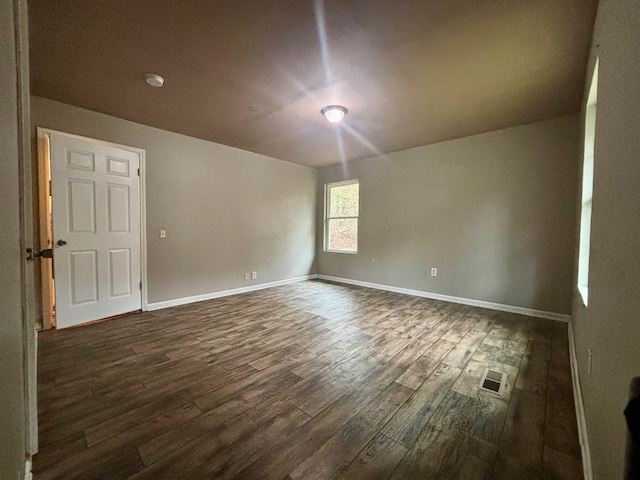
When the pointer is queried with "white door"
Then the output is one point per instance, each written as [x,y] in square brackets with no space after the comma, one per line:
[96,230]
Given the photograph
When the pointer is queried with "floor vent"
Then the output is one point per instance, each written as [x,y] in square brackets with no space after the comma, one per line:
[493,381]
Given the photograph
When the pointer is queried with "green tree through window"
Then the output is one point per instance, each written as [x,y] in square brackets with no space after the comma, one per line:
[342,201]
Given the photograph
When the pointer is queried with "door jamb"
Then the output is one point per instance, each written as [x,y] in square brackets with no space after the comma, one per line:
[29,334]
[46,239]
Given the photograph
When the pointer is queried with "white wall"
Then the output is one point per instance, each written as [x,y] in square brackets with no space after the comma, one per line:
[495,213]
[226,211]
[610,326]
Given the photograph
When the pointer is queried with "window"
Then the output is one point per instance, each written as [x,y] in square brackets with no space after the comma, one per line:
[342,206]
[587,188]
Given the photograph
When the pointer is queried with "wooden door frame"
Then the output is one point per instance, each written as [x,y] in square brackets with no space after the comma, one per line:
[29,321]
[44,197]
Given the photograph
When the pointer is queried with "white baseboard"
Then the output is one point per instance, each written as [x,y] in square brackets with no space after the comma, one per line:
[447,298]
[28,475]
[224,293]
[579,403]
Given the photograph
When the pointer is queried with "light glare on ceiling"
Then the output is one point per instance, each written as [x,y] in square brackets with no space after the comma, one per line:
[334,113]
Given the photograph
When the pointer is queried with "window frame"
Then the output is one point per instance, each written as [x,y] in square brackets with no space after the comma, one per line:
[586,195]
[328,217]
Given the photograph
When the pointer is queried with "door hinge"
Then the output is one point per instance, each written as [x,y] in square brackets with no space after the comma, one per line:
[138,172]
[140,285]
[50,190]
[33,254]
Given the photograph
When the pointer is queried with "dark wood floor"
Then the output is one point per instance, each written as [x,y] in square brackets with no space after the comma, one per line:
[307,381]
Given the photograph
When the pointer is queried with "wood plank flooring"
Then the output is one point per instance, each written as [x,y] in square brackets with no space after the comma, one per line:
[307,381]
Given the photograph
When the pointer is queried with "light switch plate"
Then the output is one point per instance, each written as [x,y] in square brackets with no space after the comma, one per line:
[163,233]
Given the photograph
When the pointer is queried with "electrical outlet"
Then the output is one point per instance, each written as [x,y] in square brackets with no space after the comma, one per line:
[254,275]
[247,276]
[434,272]
[163,233]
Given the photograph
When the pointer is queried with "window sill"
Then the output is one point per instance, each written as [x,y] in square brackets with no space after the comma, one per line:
[341,251]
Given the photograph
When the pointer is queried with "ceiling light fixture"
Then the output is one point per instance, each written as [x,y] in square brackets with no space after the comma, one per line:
[334,113]
[154,79]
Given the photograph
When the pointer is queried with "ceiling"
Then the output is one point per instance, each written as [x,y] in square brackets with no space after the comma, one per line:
[254,74]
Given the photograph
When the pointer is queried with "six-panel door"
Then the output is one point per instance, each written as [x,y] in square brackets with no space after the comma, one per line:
[96,230]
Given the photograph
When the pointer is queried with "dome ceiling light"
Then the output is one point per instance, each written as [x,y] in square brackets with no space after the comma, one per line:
[154,79]
[334,113]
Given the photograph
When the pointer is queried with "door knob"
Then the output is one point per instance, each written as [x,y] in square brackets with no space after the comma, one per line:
[61,243]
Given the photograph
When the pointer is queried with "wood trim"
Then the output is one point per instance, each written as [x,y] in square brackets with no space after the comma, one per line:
[28,467]
[142,189]
[448,298]
[29,340]
[46,238]
[580,413]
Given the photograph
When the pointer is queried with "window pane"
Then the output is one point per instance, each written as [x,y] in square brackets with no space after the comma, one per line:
[343,200]
[343,234]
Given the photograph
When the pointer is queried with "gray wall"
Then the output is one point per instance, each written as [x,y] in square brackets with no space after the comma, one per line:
[226,211]
[495,213]
[610,326]
[12,411]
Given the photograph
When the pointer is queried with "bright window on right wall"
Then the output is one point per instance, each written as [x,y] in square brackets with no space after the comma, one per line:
[587,187]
